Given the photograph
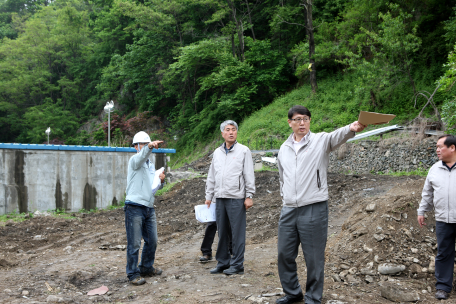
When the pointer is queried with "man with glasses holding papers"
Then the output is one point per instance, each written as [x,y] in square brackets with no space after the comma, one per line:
[140,219]
[231,181]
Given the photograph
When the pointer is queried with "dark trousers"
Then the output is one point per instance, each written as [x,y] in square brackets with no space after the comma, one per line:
[306,226]
[209,235]
[444,261]
[230,213]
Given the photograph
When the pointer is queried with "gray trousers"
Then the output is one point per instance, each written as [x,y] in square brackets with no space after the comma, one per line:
[230,212]
[307,226]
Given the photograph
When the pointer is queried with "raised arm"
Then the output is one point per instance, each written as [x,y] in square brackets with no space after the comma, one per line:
[341,135]
[140,158]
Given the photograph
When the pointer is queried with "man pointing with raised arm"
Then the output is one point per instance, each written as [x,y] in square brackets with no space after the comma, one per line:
[140,220]
[303,162]
[231,181]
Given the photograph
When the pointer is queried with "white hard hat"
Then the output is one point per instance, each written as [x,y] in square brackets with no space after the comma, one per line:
[141,137]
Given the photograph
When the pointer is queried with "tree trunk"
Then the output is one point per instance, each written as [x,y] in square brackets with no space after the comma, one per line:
[233,47]
[250,19]
[310,34]
[239,29]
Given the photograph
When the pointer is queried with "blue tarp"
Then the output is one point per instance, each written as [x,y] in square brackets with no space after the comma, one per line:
[76,148]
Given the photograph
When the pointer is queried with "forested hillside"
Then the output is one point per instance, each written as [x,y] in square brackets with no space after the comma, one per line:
[184,66]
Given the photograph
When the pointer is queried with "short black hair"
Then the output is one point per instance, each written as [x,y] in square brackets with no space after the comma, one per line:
[450,140]
[298,109]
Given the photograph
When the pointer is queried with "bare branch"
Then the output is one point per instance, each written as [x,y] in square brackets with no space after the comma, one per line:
[418,94]
[283,21]
[430,101]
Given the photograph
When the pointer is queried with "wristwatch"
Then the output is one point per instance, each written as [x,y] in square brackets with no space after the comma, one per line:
[250,196]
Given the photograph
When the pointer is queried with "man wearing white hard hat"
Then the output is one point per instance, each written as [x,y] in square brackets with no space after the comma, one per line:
[140,220]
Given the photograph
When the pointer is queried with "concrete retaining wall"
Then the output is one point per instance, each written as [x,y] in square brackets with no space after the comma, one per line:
[42,180]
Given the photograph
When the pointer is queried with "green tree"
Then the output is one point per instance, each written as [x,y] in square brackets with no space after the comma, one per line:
[38,118]
[447,82]
[390,50]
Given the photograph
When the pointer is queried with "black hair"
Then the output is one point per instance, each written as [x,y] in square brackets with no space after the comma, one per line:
[450,140]
[299,110]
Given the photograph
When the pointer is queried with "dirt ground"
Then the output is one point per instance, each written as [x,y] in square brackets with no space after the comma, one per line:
[48,259]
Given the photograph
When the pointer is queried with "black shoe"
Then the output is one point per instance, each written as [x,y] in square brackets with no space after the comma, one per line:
[205,258]
[218,270]
[288,299]
[233,270]
[154,272]
[441,294]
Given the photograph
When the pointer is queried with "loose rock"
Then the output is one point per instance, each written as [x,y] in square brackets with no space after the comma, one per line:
[390,268]
[371,207]
[396,294]
[415,268]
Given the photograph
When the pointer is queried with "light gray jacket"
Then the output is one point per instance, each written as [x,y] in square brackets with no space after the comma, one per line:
[231,175]
[439,193]
[303,175]
[139,179]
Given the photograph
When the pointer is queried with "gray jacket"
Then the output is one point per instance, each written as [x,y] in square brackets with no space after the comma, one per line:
[303,175]
[439,193]
[231,175]
[139,179]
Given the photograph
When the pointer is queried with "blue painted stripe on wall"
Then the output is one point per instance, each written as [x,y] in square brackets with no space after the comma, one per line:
[76,148]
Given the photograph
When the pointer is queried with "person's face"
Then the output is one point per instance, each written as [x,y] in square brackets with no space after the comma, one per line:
[444,153]
[139,146]
[229,134]
[300,124]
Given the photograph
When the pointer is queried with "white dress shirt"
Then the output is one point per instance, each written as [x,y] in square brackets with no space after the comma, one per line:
[298,144]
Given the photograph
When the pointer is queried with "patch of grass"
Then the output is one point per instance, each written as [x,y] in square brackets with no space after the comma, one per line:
[15,216]
[198,150]
[165,189]
[419,172]
[265,168]
[120,204]
[89,211]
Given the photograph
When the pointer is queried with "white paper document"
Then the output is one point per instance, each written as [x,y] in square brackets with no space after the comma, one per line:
[157,180]
[204,214]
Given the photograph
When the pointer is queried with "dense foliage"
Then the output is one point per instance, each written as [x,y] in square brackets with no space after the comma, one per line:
[190,64]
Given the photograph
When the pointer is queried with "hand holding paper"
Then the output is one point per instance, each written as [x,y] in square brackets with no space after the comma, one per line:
[204,214]
[156,183]
[357,126]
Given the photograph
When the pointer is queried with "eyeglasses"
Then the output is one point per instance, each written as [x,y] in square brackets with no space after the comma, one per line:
[298,120]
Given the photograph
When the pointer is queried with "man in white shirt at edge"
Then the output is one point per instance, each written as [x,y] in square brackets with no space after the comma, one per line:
[439,194]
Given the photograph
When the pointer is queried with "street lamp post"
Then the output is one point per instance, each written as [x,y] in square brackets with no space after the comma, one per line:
[48,131]
[109,107]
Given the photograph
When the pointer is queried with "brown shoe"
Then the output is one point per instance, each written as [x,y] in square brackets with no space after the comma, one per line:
[137,281]
[205,258]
